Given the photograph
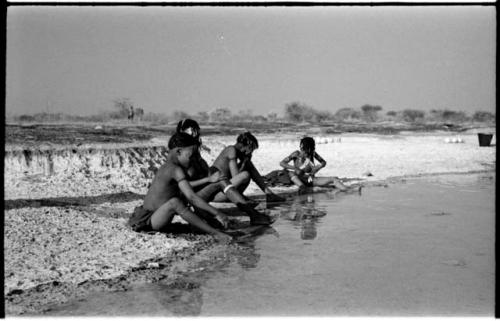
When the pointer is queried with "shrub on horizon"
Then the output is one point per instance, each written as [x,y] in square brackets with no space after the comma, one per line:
[220,114]
[347,114]
[447,115]
[483,116]
[370,112]
[24,118]
[122,106]
[412,115]
[299,112]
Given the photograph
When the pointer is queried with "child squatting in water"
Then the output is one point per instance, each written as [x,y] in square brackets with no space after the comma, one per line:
[303,170]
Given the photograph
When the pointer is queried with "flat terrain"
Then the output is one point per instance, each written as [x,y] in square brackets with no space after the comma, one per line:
[78,133]
[66,211]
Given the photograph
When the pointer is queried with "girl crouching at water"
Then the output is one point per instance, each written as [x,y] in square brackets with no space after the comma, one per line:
[302,172]
[212,185]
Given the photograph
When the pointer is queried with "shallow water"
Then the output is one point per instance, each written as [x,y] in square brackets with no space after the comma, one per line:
[421,247]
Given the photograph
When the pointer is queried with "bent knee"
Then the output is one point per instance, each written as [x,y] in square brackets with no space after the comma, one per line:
[244,175]
[176,203]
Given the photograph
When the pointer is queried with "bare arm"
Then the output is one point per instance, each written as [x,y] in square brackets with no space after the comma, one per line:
[233,166]
[201,167]
[257,178]
[322,163]
[288,159]
[194,199]
[199,182]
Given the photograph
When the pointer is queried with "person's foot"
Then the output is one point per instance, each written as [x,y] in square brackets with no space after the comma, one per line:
[207,217]
[302,190]
[252,203]
[260,219]
[256,218]
[274,198]
[223,238]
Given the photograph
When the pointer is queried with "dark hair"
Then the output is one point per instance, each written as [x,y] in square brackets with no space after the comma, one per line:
[308,145]
[186,123]
[181,140]
[247,139]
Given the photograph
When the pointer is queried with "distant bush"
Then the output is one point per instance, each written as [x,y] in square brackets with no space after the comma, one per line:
[122,107]
[411,115]
[272,117]
[346,114]
[24,118]
[483,116]
[370,112]
[448,115]
[202,116]
[391,113]
[220,114]
[300,112]
[297,112]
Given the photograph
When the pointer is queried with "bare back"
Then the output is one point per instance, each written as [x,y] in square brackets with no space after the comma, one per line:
[165,185]
[222,161]
[230,153]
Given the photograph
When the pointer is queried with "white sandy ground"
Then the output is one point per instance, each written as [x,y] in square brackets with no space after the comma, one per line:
[64,244]
[381,155]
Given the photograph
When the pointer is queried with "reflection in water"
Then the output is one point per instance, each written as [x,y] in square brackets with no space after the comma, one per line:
[183,297]
[248,278]
[182,294]
[308,231]
[248,257]
[304,213]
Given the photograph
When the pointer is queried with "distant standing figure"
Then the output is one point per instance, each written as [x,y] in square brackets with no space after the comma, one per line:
[303,170]
[139,112]
[131,114]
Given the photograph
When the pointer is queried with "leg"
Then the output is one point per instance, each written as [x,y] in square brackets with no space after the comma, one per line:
[297,181]
[239,181]
[235,197]
[327,181]
[208,192]
[164,215]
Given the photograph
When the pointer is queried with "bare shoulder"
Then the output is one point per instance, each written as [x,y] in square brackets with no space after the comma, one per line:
[177,173]
[229,151]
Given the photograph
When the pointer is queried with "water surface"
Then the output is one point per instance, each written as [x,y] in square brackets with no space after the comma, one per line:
[421,247]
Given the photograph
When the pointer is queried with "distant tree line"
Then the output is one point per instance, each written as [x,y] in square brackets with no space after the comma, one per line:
[295,112]
[300,112]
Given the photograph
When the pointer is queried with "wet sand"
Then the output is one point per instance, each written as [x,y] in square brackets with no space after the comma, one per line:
[65,233]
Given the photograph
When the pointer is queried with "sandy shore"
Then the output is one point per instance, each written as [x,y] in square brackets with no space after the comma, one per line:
[57,240]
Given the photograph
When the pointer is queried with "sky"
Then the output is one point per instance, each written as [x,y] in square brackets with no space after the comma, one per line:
[78,60]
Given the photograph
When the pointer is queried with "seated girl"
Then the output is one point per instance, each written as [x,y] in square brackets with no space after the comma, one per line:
[302,172]
[211,185]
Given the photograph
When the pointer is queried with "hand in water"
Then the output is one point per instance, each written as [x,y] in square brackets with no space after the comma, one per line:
[222,219]
[223,238]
